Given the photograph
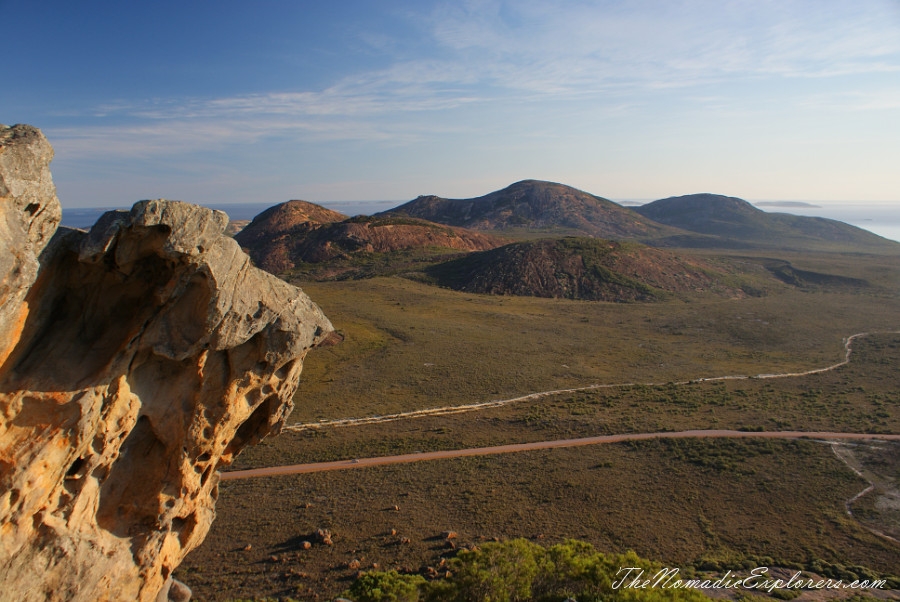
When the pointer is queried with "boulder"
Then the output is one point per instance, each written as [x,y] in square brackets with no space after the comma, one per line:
[136,360]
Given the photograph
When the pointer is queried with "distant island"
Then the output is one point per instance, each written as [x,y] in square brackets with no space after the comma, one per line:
[786,204]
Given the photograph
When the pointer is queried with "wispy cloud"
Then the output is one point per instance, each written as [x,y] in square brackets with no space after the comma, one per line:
[558,46]
[180,135]
[363,108]
[487,54]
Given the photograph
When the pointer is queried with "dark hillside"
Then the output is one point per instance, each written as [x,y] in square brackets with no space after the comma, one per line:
[580,268]
[534,204]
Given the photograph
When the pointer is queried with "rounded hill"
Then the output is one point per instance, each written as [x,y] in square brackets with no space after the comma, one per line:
[534,204]
[733,222]
[285,220]
[581,268]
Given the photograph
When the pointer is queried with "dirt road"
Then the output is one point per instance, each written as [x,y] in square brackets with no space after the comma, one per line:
[518,447]
[495,403]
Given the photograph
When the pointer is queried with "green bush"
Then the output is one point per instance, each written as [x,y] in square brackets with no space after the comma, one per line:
[518,570]
[497,572]
[387,586]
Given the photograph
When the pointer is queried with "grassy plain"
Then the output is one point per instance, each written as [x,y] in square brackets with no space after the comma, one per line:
[409,345]
[713,503]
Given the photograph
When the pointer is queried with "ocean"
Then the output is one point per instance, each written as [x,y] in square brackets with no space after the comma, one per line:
[882,218]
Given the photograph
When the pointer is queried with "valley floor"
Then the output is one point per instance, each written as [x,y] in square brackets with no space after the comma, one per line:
[702,502]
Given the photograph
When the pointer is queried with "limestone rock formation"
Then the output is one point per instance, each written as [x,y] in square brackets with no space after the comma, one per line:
[138,358]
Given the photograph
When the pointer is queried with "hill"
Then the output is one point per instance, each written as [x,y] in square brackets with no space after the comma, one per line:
[290,235]
[284,221]
[580,268]
[533,204]
[732,222]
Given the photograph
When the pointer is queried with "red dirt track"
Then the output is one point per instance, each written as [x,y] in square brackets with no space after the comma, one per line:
[517,447]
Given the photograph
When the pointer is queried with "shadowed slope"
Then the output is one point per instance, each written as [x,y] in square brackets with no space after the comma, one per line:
[580,268]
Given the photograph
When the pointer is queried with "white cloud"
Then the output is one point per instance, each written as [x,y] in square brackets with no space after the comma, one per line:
[557,46]
[487,53]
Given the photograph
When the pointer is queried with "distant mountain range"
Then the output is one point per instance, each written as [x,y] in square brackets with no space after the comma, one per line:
[534,207]
[457,243]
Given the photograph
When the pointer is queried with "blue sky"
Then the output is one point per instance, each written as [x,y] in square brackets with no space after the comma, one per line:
[221,102]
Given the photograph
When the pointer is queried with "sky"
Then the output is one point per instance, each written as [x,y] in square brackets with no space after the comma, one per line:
[262,102]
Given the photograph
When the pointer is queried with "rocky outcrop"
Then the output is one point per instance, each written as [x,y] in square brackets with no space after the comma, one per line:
[29,215]
[138,359]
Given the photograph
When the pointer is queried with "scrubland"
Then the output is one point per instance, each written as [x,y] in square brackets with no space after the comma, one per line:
[707,504]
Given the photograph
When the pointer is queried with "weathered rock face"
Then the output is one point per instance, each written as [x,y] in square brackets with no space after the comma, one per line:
[144,356]
[29,215]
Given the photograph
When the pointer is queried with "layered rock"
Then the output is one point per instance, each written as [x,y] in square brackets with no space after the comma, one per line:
[143,356]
